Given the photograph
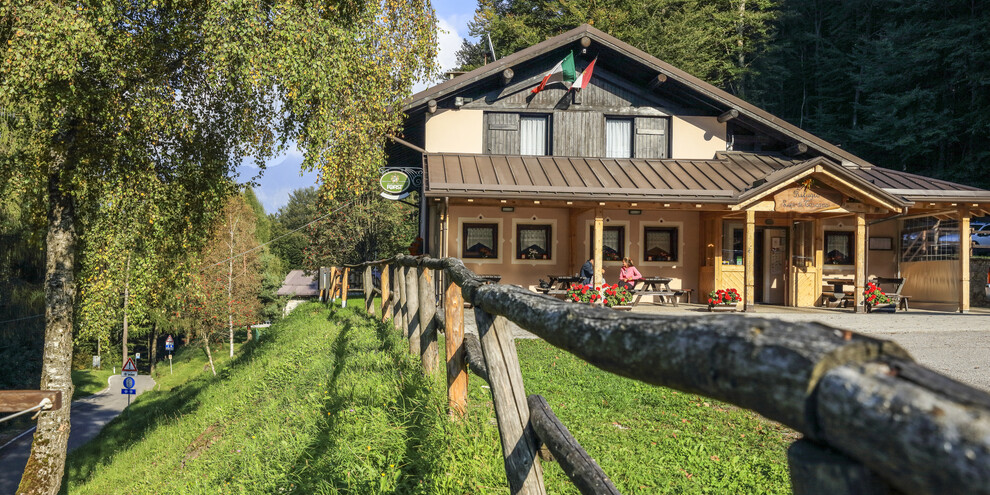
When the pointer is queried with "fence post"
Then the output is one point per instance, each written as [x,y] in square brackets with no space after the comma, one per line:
[344,287]
[457,379]
[427,324]
[331,294]
[369,291]
[522,468]
[400,299]
[816,470]
[386,293]
[413,328]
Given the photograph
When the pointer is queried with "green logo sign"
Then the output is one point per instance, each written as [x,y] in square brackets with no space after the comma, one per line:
[394,182]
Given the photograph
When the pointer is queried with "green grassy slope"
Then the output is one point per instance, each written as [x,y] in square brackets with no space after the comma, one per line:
[331,402]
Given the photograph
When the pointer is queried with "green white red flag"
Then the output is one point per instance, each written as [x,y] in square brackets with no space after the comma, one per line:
[562,72]
[585,76]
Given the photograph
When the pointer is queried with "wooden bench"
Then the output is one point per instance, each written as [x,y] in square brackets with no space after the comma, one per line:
[896,283]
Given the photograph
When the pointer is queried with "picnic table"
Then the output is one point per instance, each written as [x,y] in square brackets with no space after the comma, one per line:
[839,296]
[559,284]
[659,286]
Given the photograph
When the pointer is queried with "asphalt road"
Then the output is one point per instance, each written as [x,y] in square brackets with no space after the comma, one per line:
[89,415]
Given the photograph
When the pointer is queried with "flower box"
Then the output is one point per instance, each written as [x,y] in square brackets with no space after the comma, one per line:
[723,300]
[722,308]
[881,308]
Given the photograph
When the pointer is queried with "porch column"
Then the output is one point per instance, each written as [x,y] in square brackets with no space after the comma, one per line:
[749,294]
[860,281]
[596,280]
[965,245]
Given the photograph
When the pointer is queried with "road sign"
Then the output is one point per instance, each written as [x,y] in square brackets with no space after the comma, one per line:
[129,369]
[129,382]
[137,356]
[128,391]
[169,343]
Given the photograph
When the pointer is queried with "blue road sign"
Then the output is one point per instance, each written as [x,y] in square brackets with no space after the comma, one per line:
[129,382]
[169,346]
[127,391]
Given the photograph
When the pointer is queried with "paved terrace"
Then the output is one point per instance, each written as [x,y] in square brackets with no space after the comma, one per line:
[957,345]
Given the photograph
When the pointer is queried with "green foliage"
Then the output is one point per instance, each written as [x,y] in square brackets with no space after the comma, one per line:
[714,40]
[298,211]
[361,228]
[903,84]
[263,227]
[330,401]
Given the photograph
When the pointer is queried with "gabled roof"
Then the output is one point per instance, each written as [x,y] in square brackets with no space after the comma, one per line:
[297,283]
[718,97]
[731,178]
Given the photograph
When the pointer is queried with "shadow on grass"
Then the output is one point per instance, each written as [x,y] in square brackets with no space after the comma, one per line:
[147,413]
[410,393]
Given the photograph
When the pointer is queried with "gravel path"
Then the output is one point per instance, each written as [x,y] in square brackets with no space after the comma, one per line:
[956,345]
[89,415]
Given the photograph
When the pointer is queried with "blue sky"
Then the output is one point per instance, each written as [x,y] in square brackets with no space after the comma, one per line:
[283,174]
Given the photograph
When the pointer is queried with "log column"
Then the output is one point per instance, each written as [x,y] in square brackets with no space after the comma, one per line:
[400,299]
[344,287]
[457,379]
[965,246]
[860,278]
[369,291]
[749,294]
[596,279]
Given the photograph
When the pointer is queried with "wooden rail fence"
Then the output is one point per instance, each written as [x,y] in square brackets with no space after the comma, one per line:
[873,420]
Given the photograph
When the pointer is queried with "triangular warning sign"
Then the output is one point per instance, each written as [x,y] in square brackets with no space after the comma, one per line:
[129,365]
[169,339]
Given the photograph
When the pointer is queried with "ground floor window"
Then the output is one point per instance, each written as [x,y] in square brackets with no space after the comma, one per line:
[732,243]
[838,248]
[660,243]
[613,243]
[533,242]
[480,240]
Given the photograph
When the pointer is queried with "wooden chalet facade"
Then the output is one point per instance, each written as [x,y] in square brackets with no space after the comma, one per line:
[692,183]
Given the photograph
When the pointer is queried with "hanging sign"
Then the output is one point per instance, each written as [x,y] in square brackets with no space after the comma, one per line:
[804,200]
[394,182]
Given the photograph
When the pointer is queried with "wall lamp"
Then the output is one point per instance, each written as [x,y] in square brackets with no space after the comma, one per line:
[635,212]
[508,209]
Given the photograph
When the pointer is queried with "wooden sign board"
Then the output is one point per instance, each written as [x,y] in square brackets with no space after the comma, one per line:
[804,200]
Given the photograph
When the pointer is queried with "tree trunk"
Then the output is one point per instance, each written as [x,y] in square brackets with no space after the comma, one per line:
[209,353]
[46,464]
[127,287]
[153,346]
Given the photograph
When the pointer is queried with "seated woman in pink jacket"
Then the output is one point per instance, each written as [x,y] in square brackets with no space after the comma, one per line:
[629,275]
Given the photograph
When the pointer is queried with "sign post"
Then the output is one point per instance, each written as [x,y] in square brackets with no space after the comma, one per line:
[169,345]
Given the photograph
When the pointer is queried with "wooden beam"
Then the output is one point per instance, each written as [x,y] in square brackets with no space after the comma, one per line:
[431,106]
[728,115]
[522,467]
[796,149]
[586,474]
[507,75]
[749,255]
[656,82]
[457,378]
[965,246]
[344,287]
[585,42]
[19,400]
[860,277]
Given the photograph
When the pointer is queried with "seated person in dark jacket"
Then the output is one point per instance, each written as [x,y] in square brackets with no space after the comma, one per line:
[587,271]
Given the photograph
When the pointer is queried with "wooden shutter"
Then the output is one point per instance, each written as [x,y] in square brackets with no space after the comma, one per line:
[651,137]
[502,133]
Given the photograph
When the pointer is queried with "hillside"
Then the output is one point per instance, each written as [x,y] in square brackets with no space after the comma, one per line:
[330,402]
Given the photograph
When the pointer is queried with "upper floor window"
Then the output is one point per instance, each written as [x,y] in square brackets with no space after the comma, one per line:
[517,134]
[533,135]
[618,137]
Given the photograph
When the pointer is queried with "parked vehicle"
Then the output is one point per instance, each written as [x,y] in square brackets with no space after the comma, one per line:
[981,237]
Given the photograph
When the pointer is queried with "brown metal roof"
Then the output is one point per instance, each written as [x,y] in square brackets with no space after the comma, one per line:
[729,178]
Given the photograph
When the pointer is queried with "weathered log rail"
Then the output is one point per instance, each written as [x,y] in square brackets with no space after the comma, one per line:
[873,420]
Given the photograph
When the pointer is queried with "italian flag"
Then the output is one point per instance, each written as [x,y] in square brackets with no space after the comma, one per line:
[584,76]
[562,72]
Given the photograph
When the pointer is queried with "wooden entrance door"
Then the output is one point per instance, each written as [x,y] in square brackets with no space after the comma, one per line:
[774,254]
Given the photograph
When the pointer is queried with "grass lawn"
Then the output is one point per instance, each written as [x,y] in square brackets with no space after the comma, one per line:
[89,381]
[331,402]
